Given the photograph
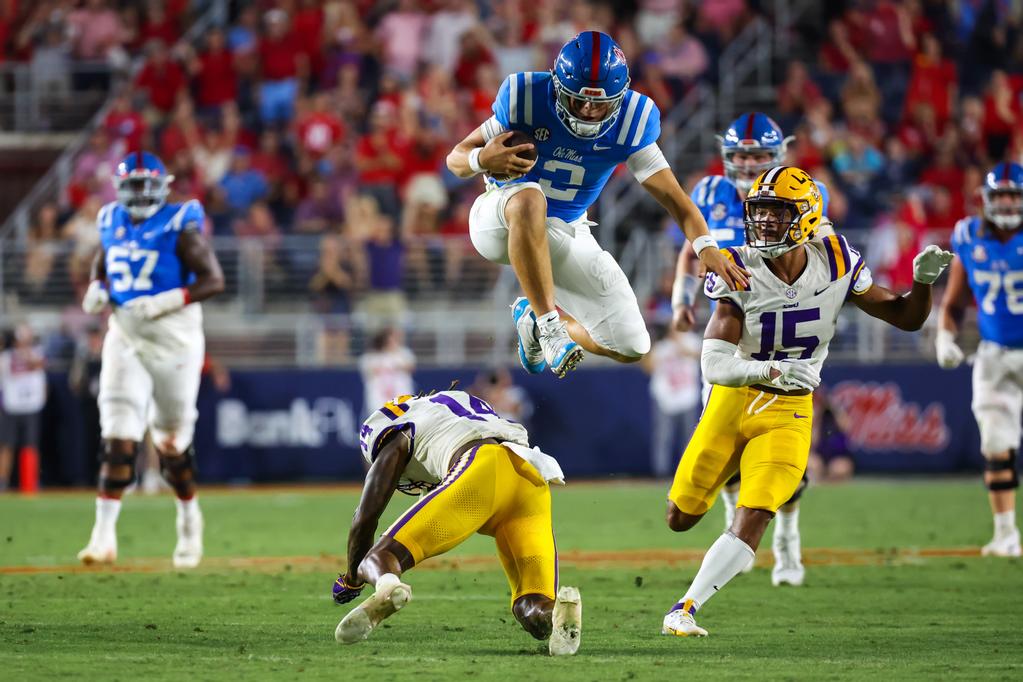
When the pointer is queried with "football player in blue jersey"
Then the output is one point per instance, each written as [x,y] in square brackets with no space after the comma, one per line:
[153,268]
[752,144]
[583,121]
[989,264]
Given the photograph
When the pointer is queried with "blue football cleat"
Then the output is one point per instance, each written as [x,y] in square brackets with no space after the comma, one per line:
[531,355]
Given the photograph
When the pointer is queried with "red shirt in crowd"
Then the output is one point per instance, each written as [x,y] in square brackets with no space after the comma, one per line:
[932,82]
[166,30]
[163,83]
[319,131]
[217,82]
[308,26]
[128,126]
[371,148]
[278,57]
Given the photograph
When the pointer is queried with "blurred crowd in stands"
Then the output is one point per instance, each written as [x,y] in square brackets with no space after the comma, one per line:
[332,118]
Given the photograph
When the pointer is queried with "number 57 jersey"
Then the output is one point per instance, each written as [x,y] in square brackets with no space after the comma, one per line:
[141,260]
[793,321]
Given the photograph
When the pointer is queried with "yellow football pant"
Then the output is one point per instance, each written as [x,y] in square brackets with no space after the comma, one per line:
[763,436]
[493,491]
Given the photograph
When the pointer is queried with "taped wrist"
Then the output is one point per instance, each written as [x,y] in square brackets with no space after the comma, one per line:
[721,366]
[474,161]
[704,242]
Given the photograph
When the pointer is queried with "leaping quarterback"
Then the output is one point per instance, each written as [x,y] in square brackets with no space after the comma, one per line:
[583,121]
[762,352]
[154,266]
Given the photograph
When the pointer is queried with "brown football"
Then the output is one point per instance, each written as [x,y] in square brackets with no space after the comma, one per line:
[514,140]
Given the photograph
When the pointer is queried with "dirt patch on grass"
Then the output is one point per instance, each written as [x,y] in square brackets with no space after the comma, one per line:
[821,556]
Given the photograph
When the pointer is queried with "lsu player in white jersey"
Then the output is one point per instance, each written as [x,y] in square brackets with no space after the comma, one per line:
[762,352]
[583,121]
[153,268]
[482,477]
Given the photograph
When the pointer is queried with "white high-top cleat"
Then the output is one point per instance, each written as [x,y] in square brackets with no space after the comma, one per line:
[788,560]
[1007,545]
[680,623]
[531,355]
[561,352]
[102,548]
[567,619]
[391,595]
[188,551]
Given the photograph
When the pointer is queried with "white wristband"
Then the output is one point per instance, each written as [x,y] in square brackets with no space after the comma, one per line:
[474,161]
[703,242]
[683,291]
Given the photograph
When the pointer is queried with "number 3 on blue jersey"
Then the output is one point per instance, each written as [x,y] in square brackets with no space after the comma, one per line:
[120,270]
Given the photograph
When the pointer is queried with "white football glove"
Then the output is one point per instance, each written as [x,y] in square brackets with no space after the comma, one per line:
[795,375]
[152,307]
[950,355]
[930,263]
[96,298]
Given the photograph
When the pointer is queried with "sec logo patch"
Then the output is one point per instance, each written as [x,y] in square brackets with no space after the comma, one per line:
[542,134]
[718,212]
[979,253]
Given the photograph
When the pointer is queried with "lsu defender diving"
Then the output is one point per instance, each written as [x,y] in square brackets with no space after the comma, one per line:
[584,121]
[762,351]
[479,475]
[153,267]
[752,144]
[989,263]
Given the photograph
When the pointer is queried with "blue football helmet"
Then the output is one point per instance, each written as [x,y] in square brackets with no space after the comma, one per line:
[142,184]
[753,133]
[1003,196]
[590,70]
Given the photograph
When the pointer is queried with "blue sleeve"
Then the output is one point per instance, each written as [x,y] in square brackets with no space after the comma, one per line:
[703,195]
[651,126]
[960,236]
[190,216]
[501,102]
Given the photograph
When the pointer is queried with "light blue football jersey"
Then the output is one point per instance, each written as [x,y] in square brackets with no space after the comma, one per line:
[572,170]
[720,202]
[142,259]
[995,273]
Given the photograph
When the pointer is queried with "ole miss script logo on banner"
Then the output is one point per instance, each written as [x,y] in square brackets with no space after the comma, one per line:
[879,418]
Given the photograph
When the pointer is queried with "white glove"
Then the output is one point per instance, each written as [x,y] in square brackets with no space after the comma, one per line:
[930,263]
[96,298]
[795,375]
[152,307]
[950,355]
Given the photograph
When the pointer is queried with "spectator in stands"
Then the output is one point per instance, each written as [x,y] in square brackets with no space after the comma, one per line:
[213,74]
[320,211]
[384,303]
[378,158]
[23,396]
[158,24]
[830,455]
[242,185]
[124,123]
[81,229]
[319,128]
[907,226]
[386,369]
[796,95]
[1001,115]
[44,250]
[50,69]
[674,368]
[446,27]
[161,79]
[920,133]
[498,389]
[680,60]
[655,19]
[182,132]
[474,52]
[83,380]
[722,17]
[857,167]
[243,36]
[282,65]
[861,103]
[94,168]
[337,279]
[401,34]
[96,31]
[933,80]
[889,46]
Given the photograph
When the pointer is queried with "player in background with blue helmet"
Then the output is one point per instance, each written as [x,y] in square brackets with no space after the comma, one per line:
[583,121]
[752,144]
[153,268]
[989,264]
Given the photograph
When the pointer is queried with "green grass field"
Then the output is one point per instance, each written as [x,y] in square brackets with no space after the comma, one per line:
[892,592]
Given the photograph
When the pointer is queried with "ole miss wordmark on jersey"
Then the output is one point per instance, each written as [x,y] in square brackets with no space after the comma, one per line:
[995,273]
[571,170]
[141,258]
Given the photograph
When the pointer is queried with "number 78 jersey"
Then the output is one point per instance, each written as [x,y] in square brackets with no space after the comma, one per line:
[995,273]
[793,321]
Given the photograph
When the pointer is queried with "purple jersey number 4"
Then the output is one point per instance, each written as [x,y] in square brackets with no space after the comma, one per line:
[480,407]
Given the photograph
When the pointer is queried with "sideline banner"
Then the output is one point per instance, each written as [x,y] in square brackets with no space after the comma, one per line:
[283,425]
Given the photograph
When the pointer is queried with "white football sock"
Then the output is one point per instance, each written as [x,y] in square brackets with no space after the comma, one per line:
[1005,523]
[729,499]
[187,508]
[548,322]
[787,523]
[107,511]
[723,561]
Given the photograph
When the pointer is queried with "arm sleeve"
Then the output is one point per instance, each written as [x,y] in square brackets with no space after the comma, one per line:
[492,128]
[647,161]
[721,366]
[648,128]
[190,216]
[502,102]
[860,279]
